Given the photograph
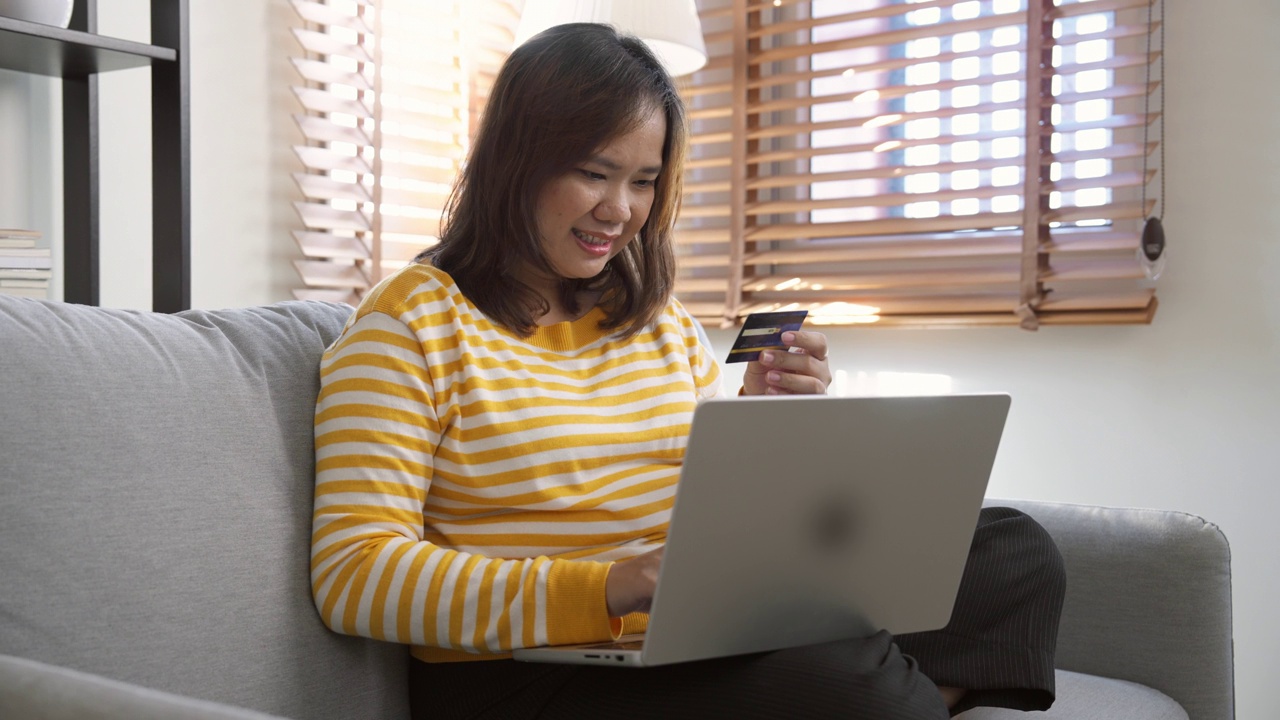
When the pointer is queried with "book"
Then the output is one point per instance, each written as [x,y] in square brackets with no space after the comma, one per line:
[12,233]
[31,258]
[20,283]
[24,274]
[37,293]
[38,262]
[11,239]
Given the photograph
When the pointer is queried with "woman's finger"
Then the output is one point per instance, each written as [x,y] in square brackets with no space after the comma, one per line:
[792,362]
[814,344]
[789,383]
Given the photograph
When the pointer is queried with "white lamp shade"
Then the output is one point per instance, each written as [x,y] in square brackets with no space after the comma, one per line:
[47,12]
[670,28]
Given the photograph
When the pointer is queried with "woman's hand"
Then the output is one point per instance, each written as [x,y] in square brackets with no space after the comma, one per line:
[630,585]
[779,372]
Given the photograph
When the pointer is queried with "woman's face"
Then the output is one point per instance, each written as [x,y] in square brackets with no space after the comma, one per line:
[589,214]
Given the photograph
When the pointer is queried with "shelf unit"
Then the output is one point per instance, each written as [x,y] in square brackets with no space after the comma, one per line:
[78,55]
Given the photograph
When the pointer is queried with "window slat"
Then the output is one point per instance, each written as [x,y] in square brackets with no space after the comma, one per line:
[328,16]
[322,44]
[1075,9]
[324,217]
[319,274]
[887,38]
[882,173]
[321,129]
[397,143]
[321,101]
[1115,211]
[403,225]
[322,187]
[418,172]
[409,197]
[926,305]
[1115,180]
[328,245]
[449,125]
[790,26]
[321,72]
[316,158]
[945,247]
[792,231]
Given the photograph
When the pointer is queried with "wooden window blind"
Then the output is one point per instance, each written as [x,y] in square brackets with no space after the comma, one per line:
[934,163]
[391,90]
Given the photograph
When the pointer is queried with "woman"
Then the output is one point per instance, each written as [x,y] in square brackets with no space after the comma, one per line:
[501,425]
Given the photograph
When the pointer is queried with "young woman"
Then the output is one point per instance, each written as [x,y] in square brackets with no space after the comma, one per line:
[501,426]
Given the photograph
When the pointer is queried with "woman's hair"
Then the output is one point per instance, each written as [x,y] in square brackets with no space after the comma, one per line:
[558,99]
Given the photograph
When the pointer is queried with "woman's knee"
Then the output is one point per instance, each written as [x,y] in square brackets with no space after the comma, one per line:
[1023,543]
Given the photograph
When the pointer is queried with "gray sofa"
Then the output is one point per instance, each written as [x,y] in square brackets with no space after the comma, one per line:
[155,501]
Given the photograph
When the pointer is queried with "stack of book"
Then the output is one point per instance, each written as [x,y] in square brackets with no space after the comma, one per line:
[24,268]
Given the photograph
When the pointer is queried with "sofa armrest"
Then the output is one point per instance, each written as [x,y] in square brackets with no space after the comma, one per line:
[1148,600]
[31,690]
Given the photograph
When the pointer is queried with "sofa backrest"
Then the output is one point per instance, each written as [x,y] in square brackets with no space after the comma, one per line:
[156,480]
[1148,600]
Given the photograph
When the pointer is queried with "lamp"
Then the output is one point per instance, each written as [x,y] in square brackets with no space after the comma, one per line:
[670,28]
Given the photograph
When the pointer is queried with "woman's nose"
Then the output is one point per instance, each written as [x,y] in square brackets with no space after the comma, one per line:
[614,208]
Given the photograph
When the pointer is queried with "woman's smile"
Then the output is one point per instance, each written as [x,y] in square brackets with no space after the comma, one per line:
[596,244]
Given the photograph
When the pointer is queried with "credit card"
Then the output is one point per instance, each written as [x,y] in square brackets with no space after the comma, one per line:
[763,331]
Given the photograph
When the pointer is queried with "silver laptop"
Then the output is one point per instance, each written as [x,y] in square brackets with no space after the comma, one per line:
[802,520]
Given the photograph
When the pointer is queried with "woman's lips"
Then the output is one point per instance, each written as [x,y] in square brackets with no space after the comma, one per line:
[594,244]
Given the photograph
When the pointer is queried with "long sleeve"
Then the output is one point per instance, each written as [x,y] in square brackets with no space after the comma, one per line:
[372,572]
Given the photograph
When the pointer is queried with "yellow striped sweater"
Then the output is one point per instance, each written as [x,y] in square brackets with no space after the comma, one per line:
[473,487]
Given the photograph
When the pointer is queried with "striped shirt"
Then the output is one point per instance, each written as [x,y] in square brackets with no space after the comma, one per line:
[473,486]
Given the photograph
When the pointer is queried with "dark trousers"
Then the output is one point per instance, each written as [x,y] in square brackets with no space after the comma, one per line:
[999,646]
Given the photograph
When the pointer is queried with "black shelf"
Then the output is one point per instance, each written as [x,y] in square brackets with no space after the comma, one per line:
[47,50]
[78,55]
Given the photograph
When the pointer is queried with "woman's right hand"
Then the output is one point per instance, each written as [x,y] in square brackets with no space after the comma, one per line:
[629,587]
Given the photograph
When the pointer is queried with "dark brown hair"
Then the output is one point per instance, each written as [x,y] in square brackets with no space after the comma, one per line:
[558,98]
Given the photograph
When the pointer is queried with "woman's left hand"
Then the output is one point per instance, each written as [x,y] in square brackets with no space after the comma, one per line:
[779,372]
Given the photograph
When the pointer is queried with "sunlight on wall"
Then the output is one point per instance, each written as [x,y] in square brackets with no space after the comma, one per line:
[890,383]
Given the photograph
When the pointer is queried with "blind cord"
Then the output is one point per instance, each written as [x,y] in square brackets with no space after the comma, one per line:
[1146,108]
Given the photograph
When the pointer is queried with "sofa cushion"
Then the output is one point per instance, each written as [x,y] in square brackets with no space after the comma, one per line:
[155,504]
[30,690]
[1089,697]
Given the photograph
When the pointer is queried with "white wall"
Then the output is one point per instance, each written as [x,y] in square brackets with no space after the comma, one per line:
[1183,414]
[242,133]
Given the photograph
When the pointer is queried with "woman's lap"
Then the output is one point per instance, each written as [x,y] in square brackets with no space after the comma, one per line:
[999,644]
[864,678]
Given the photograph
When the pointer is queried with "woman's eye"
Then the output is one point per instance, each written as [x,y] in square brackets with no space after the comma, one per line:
[592,175]
[645,183]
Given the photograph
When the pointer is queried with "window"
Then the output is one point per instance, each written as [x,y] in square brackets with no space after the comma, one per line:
[391,91]
[868,160]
